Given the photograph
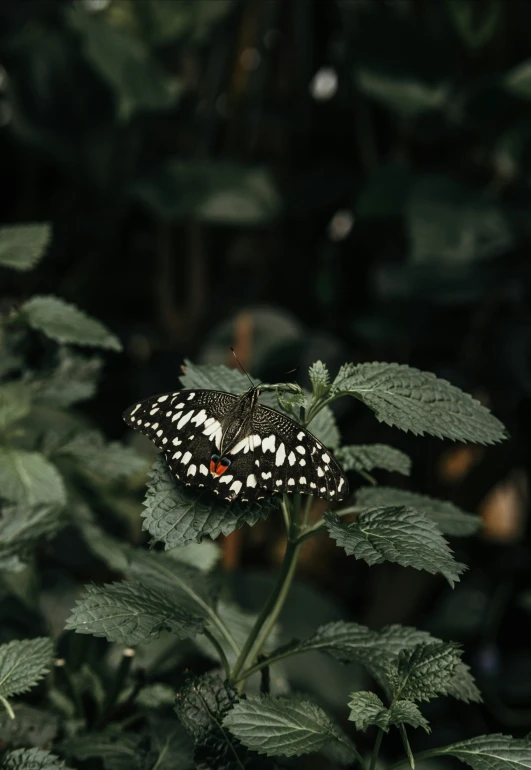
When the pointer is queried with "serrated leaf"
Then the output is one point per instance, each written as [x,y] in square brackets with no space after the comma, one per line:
[366,457]
[367,709]
[424,671]
[407,712]
[117,750]
[450,519]
[286,727]
[171,748]
[324,427]
[73,379]
[15,403]
[178,515]
[491,752]
[21,527]
[28,478]
[201,706]
[30,727]
[32,759]
[23,664]
[22,246]
[376,651]
[320,378]
[397,534]
[65,323]
[418,401]
[130,613]
[96,456]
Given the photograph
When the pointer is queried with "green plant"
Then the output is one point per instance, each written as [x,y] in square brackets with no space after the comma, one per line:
[103,708]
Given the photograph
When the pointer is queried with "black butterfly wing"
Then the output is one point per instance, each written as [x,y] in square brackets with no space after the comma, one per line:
[290,458]
[187,426]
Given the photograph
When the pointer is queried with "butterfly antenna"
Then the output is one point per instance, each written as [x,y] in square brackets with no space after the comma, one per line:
[241,367]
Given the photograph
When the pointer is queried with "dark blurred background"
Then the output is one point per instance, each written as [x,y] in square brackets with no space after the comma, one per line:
[345,180]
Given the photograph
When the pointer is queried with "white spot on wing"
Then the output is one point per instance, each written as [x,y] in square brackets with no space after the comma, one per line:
[191,470]
[137,407]
[291,458]
[164,440]
[187,456]
[243,444]
[300,449]
[251,480]
[291,482]
[280,482]
[302,462]
[162,398]
[200,417]
[326,459]
[225,479]
[176,441]
[184,419]
[302,480]
[191,396]
[269,443]
[320,472]
[266,475]
[176,455]
[203,469]
[300,435]
[154,410]
[342,481]
[280,456]
[177,415]
[236,487]
[160,432]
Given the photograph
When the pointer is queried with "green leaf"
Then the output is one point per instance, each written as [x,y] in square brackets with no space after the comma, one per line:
[366,457]
[28,478]
[155,696]
[216,192]
[15,403]
[386,192]
[419,402]
[117,750]
[323,426]
[518,80]
[397,534]
[23,664]
[376,651]
[424,671]
[320,379]
[367,709]
[65,323]
[130,613]
[285,727]
[171,748]
[201,706]
[204,556]
[491,752]
[74,379]
[32,759]
[450,519]
[125,63]
[96,456]
[21,527]
[22,246]
[106,547]
[178,515]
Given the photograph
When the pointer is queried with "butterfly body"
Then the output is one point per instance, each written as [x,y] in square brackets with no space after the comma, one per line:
[235,446]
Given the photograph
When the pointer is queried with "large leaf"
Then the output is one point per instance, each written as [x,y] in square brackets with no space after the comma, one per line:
[218,192]
[376,651]
[65,323]
[397,534]
[448,517]
[424,671]
[23,664]
[21,527]
[419,402]
[32,759]
[130,613]
[22,246]
[367,709]
[320,378]
[491,752]
[285,727]
[366,457]
[178,515]
[28,478]
[201,705]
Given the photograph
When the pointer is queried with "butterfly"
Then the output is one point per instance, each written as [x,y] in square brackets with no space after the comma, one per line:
[235,446]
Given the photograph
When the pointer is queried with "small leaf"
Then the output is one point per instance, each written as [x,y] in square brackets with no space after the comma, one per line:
[22,246]
[65,323]
[130,613]
[201,706]
[424,671]
[30,727]
[95,456]
[397,534]
[32,759]
[407,712]
[366,457]
[28,478]
[367,709]
[491,752]
[320,379]
[21,527]
[171,748]
[448,517]
[15,403]
[73,379]
[23,664]
[419,402]
[178,515]
[287,727]
[117,750]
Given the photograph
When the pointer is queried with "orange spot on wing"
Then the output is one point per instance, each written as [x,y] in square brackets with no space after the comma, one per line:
[212,466]
[221,469]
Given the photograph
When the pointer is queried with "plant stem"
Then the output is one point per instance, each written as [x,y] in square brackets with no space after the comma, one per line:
[376,749]
[315,529]
[7,705]
[405,741]
[219,649]
[270,611]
